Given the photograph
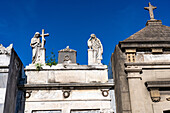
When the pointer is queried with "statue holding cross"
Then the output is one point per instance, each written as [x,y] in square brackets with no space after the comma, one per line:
[43,38]
[150,9]
[38,50]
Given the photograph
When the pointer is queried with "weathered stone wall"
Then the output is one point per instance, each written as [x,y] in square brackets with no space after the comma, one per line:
[78,99]
[4,69]
[10,73]
[45,88]
[68,74]
[14,75]
[121,83]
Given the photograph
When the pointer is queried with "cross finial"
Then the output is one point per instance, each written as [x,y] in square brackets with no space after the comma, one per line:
[43,37]
[150,9]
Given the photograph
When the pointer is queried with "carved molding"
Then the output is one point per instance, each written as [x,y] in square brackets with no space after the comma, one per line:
[6,51]
[133,72]
[66,58]
[157,50]
[155,94]
[130,50]
[156,99]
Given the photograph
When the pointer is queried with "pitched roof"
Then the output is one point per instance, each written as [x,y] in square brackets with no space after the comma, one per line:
[154,31]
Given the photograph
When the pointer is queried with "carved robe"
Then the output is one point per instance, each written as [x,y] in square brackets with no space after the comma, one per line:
[35,44]
[96,45]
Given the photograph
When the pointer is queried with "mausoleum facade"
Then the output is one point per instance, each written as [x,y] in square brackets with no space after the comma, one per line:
[140,67]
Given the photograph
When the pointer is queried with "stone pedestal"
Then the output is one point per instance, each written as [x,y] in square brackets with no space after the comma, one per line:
[42,55]
[92,57]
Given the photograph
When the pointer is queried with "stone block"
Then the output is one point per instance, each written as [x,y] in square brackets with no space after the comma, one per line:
[66,105]
[92,57]
[130,50]
[38,77]
[4,60]
[3,80]
[156,57]
[2,95]
[157,50]
[70,76]
[97,76]
[162,74]
[1,108]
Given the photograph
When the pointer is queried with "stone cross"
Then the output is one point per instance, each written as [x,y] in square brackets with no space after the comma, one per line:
[43,37]
[150,9]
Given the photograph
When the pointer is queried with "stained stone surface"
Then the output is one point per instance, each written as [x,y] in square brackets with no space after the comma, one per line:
[67,56]
[10,73]
[132,88]
[84,83]
[73,73]
[3,80]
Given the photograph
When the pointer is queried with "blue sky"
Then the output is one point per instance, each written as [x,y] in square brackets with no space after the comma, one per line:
[70,22]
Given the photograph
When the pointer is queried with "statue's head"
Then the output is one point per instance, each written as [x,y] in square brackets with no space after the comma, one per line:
[93,36]
[37,34]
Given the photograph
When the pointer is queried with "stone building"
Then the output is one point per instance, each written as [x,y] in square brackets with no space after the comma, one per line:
[141,69]
[63,88]
[11,75]
[140,66]
[68,87]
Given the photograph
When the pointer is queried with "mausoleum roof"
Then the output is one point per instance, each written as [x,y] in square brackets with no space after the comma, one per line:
[154,31]
[67,49]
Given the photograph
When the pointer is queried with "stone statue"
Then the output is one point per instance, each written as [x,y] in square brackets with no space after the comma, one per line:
[150,9]
[95,44]
[36,45]
[38,50]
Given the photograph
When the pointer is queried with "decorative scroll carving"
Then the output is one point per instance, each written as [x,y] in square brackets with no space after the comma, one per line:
[6,51]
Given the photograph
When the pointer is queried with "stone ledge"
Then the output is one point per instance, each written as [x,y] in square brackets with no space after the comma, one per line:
[67,67]
[133,69]
[146,63]
[157,84]
[68,86]
[4,66]
[4,70]
[71,100]
[153,22]
[147,44]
